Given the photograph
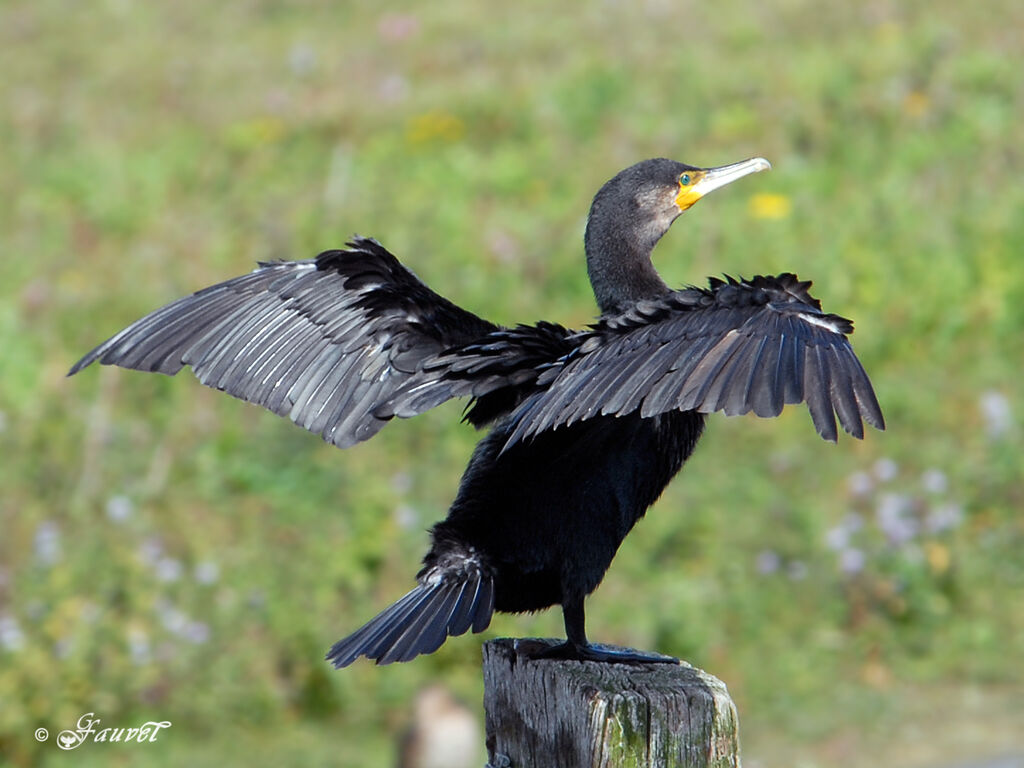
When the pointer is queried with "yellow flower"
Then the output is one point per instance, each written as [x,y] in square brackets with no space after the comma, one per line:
[767,205]
[916,104]
[434,126]
[938,557]
[889,32]
[251,134]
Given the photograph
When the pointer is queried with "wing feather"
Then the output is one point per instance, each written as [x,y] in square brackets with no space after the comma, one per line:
[324,341]
[736,347]
[765,389]
[737,399]
[817,386]
[698,394]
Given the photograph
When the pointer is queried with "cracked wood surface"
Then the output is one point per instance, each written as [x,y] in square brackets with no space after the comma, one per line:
[571,714]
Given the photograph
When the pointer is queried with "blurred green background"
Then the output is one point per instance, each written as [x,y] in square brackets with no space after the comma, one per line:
[169,553]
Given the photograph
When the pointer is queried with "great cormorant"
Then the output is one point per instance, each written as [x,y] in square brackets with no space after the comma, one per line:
[588,426]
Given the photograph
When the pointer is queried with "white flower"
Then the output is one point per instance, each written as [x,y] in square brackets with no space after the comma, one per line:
[119,508]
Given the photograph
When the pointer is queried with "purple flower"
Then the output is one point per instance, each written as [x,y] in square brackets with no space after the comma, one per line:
[168,569]
[196,632]
[398,27]
[851,561]
[150,550]
[996,411]
[11,636]
[768,562]
[934,481]
[206,572]
[63,647]
[406,517]
[886,470]
[944,517]
[301,59]
[393,89]
[138,646]
[401,482]
[853,522]
[173,619]
[860,484]
[837,537]
[893,517]
[47,543]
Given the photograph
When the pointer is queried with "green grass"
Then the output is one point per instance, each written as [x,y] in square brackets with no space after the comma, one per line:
[168,553]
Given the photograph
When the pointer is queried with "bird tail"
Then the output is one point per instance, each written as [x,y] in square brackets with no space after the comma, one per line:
[421,621]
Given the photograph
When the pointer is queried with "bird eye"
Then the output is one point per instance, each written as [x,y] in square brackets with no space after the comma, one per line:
[685,179]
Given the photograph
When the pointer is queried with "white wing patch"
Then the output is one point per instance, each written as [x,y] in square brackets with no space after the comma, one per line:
[820,321]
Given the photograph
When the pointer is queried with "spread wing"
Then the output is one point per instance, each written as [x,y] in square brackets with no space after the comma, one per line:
[736,347]
[323,341]
[498,371]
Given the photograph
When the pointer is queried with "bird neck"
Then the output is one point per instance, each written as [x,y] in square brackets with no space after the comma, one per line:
[619,265]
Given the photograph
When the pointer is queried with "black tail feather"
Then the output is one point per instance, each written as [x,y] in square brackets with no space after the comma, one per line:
[420,621]
[483,606]
[375,637]
[419,635]
[462,616]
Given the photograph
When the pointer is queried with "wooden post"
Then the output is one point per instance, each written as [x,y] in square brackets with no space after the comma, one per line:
[571,714]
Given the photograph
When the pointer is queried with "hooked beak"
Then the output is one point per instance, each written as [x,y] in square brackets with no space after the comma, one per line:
[710,179]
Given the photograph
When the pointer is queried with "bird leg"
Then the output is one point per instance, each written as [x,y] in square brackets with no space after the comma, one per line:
[578,648]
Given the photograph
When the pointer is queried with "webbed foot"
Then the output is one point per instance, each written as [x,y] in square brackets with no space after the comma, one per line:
[607,654]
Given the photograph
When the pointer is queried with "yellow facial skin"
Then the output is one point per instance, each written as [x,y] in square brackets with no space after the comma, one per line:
[689,193]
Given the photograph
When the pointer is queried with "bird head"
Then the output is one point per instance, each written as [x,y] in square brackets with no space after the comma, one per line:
[630,214]
[647,197]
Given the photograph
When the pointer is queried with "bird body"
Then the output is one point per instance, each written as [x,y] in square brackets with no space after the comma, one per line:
[587,427]
[550,540]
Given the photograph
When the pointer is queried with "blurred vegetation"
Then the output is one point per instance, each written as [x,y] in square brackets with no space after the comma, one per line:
[169,553]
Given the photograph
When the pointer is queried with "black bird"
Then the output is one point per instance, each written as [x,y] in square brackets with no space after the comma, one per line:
[588,427]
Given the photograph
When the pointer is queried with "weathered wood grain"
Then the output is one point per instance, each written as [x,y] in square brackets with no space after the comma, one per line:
[570,714]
